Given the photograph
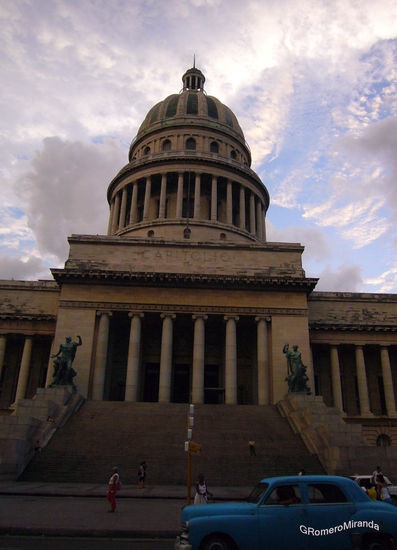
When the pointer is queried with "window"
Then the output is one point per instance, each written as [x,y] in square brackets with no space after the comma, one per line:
[233,154]
[257,492]
[192,104]
[172,106]
[383,440]
[214,147]
[166,145]
[284,495]
[150,233]
[191,144]
[212,110]
[324,493]
[146,151]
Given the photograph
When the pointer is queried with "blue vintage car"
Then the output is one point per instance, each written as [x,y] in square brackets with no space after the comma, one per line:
[293,513]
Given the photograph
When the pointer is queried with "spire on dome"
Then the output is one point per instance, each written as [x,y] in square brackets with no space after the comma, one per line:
[193,79]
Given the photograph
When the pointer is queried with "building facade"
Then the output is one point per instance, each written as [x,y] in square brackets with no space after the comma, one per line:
[185,300]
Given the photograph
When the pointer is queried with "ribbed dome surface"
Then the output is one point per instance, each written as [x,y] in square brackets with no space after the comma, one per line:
[190,103]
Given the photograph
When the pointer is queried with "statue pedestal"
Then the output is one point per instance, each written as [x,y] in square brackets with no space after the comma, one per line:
[33,419]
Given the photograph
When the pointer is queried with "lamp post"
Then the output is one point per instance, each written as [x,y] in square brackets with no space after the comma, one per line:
[190,423]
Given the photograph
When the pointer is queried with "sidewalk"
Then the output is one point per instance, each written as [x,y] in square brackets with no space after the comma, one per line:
[67,509]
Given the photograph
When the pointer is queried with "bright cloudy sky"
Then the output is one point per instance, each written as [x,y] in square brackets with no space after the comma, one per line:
[312,82]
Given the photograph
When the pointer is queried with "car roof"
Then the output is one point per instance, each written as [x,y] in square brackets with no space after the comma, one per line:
[306,478]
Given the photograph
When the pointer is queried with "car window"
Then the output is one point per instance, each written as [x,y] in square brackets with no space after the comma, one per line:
[257,492]
[325,493]
[284,494]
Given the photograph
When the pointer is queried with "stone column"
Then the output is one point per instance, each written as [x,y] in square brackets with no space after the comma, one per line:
[50,368]
[115,219]
[134,357]
[111,213]
[231,361]
[101,355]
[335,376]
[229,202]
[242,207]
[263,225]
[197,196]
[146,204]
[166,358]
[252,214]
[134,203]
[24,369]
[214,198]
[123,208]
[163,195]
[179,196]
[198,358]
[362,382]
[259,218]
[3,343]
[387,381]
[263,361]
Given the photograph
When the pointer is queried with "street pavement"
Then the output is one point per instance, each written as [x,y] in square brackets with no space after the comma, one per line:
[81,509]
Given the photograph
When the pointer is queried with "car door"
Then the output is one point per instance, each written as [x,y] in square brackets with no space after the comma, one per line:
[329,511]
[279,519]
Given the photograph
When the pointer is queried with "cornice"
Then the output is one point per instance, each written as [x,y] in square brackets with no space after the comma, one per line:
[351,327]
[182,308]
[318,296]
[27,316]
[200,157]
[192,280]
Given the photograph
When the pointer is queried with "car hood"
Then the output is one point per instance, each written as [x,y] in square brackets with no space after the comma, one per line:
[221,509]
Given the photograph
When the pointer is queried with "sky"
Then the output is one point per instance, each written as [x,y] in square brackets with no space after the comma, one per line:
[313,84]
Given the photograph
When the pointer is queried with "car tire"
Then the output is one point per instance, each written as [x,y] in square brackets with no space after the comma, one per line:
[217,542]
[376,543]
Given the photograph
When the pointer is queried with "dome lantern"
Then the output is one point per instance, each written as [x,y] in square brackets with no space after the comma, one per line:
[193,79]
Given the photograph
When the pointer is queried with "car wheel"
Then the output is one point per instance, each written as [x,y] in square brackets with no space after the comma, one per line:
[376,544]
[217,542]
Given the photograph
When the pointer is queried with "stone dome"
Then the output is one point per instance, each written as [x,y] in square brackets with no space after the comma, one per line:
[193,103]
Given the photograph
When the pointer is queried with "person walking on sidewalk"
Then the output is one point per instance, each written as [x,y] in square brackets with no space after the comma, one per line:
[113,487]
[142,474]
[202,492]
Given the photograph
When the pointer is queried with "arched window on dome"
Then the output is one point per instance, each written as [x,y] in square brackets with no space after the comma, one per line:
[166,145]
[214,147]
[190,144]
[233,154]
[146,151]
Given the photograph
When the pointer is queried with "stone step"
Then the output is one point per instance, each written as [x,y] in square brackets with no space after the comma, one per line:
[104,434]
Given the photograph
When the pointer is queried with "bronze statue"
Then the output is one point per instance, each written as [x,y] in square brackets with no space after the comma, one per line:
[297,377]
[63,371]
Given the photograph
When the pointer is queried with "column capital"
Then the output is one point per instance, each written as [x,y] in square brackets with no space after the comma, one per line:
[358,346]
[384,346]
[231,318]
[170,315]
[136,314]
[263,318]
[200,316]
[104,312]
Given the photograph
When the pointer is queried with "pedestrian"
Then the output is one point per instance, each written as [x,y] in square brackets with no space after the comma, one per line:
[382,490]
[113,487]
[302,472]
[202,492]
[251,444]
[375,473]
[142,474]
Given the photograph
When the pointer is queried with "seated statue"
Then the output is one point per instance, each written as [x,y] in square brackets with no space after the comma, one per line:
[297,378]
[63,371]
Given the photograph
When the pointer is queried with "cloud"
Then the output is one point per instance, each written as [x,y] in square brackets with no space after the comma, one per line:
[347,278]
[317,245]
[16,268]
[64,190]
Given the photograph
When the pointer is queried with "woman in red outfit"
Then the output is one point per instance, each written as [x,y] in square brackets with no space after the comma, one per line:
[114,486]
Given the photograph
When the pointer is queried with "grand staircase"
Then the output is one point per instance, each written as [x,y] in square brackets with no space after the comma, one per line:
[106,434]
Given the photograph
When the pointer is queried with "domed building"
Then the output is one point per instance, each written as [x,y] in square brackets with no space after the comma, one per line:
[185,301]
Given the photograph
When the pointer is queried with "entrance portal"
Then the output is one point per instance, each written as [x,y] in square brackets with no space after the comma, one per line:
[213,394]
[181,384]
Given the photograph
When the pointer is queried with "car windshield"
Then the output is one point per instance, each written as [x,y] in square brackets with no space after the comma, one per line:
[257,492]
